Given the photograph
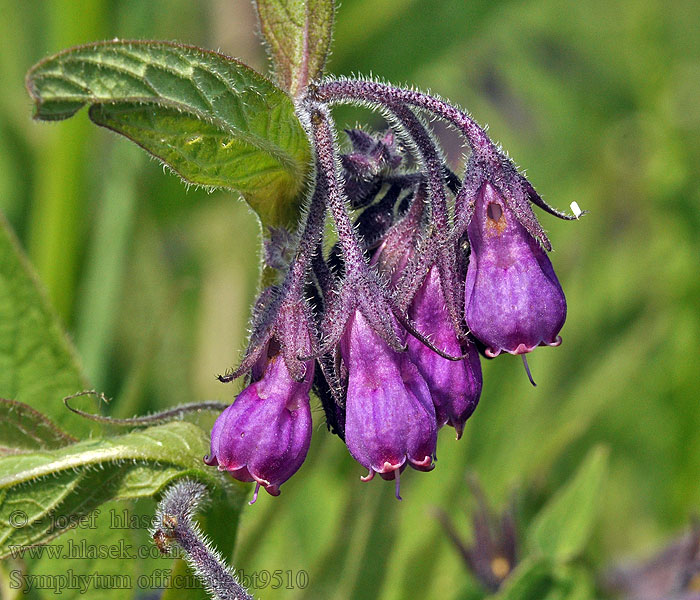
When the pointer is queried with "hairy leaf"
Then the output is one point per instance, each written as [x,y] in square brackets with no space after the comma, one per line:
[38,366]
[298,35]
[212,119]
[44,493]
[563,526]
[22,429]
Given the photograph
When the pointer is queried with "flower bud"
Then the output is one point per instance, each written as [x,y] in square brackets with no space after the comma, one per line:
[370,156]
[455,386]
[265,434]
[513,300]
[390,419]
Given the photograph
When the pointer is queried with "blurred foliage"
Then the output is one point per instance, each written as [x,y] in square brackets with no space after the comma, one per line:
[598,100]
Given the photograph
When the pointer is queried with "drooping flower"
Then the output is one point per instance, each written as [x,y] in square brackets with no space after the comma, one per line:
[455,386]
[265,434]
[513,300]
[390,419]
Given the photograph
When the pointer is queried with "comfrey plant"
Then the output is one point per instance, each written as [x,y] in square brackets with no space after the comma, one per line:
[384,321]
[387,327]
[429,269]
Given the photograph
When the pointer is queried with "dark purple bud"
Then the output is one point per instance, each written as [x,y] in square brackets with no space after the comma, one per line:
[265,434]
[329,391]
[376,219]
[455,386]
[375,152]
[390,419]
[360,184]
[362,142]
[513,300]
[370,157]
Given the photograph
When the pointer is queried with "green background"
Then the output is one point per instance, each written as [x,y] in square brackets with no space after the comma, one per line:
[598,101]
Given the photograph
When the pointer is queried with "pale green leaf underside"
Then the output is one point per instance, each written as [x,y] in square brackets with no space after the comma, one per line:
[212,119]
[562,528]
[298,34]
[74,480]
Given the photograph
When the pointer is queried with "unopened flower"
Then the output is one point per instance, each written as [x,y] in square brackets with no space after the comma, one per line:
[513,300]
[369,157]
[265,434]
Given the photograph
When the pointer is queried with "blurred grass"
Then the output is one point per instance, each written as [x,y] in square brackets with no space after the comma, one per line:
[598,100]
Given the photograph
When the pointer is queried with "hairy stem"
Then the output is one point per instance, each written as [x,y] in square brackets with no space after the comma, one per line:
[387,95]
[329,177]
[365,289]
[170,414]
[173,522]
[309,240]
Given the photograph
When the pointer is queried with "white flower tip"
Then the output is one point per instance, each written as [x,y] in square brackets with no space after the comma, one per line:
[576,209]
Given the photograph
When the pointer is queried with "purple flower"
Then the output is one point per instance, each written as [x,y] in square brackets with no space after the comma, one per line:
[390,419]
[513,300]
[455,386]
[265,434]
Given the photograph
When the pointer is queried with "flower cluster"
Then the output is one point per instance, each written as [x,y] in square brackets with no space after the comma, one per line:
[387,327]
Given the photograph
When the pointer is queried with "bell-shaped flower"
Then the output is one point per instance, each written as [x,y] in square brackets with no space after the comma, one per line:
[265,434]
[513,300]
[390,419]
[455,386]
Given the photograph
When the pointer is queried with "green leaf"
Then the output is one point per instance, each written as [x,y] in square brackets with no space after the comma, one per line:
[22,429]
[44,493]
[562,527]
[539,579]
[298,35]
[575,582]
[531,580]
[213,120]
[38,366]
